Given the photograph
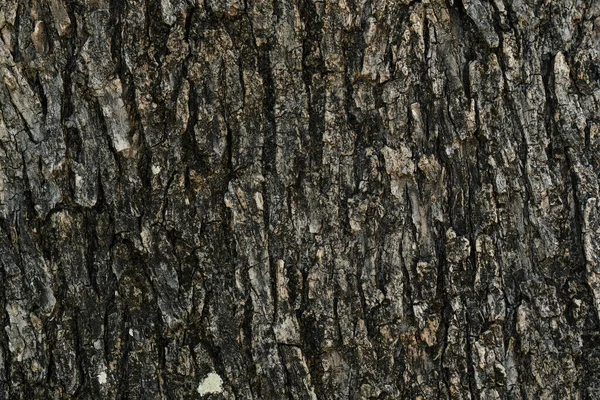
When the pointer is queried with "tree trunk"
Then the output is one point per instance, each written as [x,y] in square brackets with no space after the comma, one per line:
[353,199]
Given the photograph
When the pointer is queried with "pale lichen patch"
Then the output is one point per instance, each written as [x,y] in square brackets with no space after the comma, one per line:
[102,378]
[211,384]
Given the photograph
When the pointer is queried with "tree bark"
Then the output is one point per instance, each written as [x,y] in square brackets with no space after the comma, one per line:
[353,199]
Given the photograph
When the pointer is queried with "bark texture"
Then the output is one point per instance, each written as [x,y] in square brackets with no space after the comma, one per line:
[299,199]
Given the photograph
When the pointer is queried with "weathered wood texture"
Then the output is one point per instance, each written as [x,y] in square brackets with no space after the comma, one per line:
[348,199]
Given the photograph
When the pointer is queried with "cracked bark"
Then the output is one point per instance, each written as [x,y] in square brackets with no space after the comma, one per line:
[299,199]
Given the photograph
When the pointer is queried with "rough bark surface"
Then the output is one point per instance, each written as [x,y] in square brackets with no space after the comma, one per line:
[299,199]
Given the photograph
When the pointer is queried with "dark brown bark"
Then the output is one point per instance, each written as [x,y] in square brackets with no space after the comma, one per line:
[350,199]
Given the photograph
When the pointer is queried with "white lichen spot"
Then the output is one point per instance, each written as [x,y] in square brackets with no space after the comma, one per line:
[102,378]
[155,169]
[211,384]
